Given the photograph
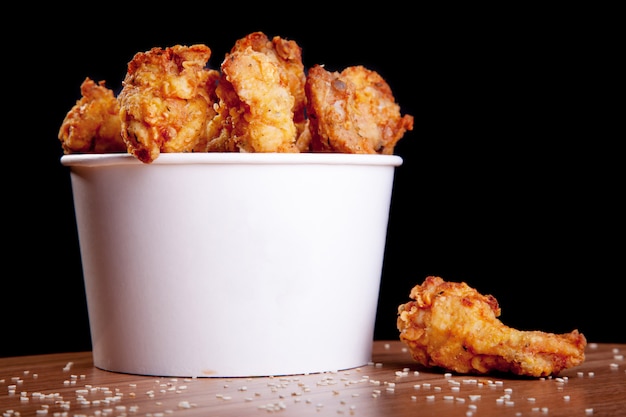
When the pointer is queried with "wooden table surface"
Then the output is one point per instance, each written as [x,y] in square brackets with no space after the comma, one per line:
[68,384]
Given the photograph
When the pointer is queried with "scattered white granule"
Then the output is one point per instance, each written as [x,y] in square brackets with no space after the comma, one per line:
[614,366]
[566,397]
[588,411]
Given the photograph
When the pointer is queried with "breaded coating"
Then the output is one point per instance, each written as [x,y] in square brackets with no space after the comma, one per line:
[353,111]
[262,101]
[452,326]
[93,124]
[167,100]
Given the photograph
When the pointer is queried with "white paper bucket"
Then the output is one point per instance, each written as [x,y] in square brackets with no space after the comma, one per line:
[229,264]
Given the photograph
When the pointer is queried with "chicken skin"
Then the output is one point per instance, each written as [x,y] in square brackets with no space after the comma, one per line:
[93,124]
[353,111]
[167,100]
[451,326]
[261,97]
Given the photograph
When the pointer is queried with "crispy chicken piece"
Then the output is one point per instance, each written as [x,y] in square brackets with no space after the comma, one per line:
[452,326]
[262,101]
[93,124]
[167,100]
[353,112]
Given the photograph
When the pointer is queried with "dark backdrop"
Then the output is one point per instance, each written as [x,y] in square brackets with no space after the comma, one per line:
[511,179]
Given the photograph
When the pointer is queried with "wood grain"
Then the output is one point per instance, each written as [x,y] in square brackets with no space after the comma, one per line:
[67,384]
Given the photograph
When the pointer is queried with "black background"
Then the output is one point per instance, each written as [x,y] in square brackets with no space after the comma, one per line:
[511,180]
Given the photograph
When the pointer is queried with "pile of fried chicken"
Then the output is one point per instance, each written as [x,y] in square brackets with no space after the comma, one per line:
[260,100]
[452,326]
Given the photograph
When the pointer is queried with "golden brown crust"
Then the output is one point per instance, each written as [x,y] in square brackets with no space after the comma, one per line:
[167,100]
[353,111]
[452,326]
[261,100]
[93,124]
[261,92]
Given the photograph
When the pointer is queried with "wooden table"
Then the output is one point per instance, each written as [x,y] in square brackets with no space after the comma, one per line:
[68,384]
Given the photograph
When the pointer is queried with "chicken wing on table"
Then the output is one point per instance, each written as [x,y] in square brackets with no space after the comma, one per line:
[452,326]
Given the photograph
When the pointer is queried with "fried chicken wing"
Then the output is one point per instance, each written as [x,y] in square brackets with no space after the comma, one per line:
[167,100]
[262,100]
[452,326]
[353,111]
[93,124]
